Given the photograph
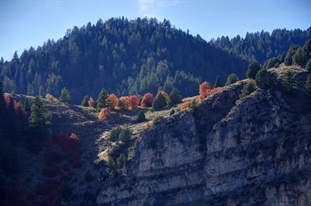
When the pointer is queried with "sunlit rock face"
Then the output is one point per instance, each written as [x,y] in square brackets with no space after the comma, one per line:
[254,151]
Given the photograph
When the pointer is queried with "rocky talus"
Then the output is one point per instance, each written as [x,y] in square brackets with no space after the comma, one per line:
[253,151]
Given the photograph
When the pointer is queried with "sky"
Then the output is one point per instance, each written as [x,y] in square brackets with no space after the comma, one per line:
[26,23]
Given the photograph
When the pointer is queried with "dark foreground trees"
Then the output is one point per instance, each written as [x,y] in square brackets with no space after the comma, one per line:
[39,122]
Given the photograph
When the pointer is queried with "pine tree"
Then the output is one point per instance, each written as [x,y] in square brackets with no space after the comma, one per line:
[232,78]
[159,102]
[140,117]
[248,88]
[265,79]
[65,96]
[39,122]
[85,101]
[175,97]
[120,161]
[101,100]
[218,82]
[253,69]
[289,83]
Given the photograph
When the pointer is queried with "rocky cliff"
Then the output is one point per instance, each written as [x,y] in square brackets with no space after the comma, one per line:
[253,151]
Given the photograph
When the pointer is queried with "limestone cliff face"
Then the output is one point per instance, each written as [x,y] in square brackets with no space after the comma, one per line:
[254,151]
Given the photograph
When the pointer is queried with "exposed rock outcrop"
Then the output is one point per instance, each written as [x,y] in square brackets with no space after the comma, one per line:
[254,151]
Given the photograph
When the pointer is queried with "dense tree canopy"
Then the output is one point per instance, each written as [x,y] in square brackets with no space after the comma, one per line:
[263,45]
[127,57]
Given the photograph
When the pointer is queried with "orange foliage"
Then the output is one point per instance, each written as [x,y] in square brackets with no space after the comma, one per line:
[134,102]
[184,105]
[147,100]
[112,101]
[206,90]
[104,114]
[91,102]
[50,97]
[7,99]
[124,102]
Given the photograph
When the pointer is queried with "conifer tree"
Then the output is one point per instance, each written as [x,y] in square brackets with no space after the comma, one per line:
[265,79]
[85,101]
[175,97]
[140,117]
[101,100]
[159,102]
[253,69]
[232,78]
[289,83]
[39,122]
[218,82]
[248,88]
[65,96]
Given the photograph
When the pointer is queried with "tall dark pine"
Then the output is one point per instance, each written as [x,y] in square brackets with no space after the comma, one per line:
[253,69]
[289,83]
[101,100]
[65,96]
[39,122]
[218,82]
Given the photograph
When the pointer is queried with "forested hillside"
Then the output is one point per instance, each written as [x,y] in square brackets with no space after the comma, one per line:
[263,45]
[125,57]
[133,57]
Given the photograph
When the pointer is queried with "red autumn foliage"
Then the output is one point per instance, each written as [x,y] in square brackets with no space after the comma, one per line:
[124,103]
[147,100]
[47,187]
[184,105]
[112,101]
[104,114]
[71,143]
[91,102]
[48,142]
[51,170]
[133,102]
[60,138]
[7,99]
[206,90]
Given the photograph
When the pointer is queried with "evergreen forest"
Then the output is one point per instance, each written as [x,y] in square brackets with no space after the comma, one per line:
[133,57]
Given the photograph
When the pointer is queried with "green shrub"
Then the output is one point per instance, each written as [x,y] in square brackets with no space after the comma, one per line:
[125,135]
[159,102]
[120,161]
[115,151]
[289,83]
[114,133]
[248,89]
[140,117]
[175,97]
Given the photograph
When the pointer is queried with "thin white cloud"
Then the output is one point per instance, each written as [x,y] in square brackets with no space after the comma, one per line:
[153,8]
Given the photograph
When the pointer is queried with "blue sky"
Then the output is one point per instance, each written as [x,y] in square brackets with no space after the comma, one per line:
[26,23]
